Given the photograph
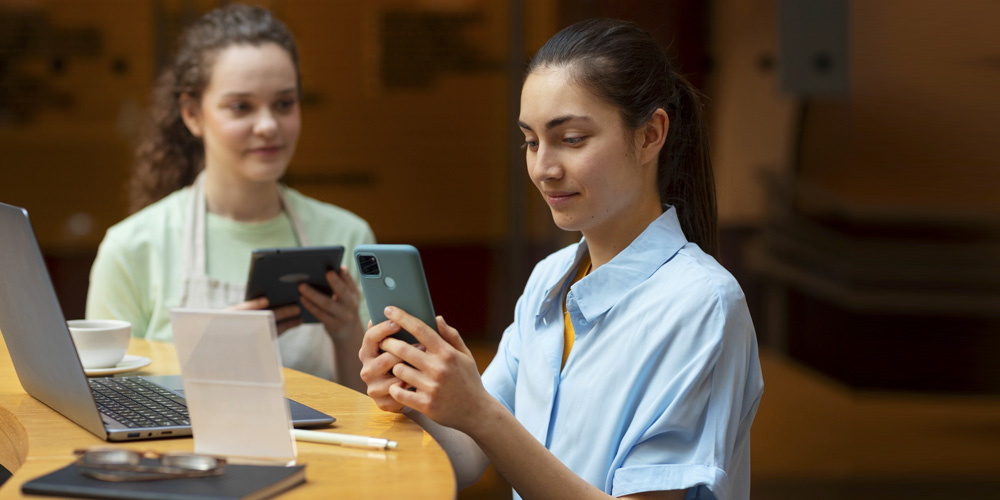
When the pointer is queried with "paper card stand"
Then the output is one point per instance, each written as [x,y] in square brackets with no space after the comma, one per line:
[234,384]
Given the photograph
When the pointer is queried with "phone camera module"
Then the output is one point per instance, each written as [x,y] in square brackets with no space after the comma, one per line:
[368,265]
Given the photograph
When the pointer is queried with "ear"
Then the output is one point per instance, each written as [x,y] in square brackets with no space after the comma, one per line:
[654,135]
[191,114]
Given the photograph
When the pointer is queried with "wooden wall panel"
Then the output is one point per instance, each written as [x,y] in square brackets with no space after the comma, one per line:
[76,75]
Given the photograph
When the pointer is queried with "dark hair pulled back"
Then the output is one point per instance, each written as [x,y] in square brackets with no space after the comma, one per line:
[169,157]
[623,64]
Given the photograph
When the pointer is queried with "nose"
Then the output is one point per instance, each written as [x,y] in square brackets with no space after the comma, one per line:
[266,125]
[544,164]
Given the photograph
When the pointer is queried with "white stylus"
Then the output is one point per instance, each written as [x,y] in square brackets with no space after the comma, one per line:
[344,439]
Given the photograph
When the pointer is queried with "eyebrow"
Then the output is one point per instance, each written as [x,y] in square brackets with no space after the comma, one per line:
[555,122]
[290,90]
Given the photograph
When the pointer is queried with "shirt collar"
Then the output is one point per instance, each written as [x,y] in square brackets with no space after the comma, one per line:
[597,292]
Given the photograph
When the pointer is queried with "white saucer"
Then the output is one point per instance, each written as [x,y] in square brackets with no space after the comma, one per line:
[127,364]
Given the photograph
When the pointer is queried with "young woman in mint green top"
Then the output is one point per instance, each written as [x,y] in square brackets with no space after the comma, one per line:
[630,367]
[225,121]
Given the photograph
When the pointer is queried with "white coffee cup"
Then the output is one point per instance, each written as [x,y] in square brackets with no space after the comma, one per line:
[100,343]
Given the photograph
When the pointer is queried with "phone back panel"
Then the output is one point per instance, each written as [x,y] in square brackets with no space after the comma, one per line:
[399,282]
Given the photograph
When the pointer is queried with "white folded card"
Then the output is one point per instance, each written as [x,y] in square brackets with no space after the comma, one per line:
[234,384]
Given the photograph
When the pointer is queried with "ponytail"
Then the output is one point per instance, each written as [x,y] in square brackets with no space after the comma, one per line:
[684,175]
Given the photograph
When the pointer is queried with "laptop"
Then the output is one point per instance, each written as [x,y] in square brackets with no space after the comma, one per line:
[45,359]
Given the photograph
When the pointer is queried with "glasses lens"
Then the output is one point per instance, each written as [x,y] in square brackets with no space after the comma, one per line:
[190,462]
[110,457]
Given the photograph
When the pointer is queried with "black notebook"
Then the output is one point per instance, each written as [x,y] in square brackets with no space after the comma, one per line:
[244,482]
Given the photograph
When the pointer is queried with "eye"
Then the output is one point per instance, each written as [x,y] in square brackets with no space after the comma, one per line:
[572,141]
[530,145]
[239,107]
[285,104]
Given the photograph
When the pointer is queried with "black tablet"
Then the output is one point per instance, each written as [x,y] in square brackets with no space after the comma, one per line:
[277,272]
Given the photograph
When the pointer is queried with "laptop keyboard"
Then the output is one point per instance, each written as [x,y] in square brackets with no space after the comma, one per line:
[136,402]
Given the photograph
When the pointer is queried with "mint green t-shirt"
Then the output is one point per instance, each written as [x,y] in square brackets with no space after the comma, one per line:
[138,273]
[229,244]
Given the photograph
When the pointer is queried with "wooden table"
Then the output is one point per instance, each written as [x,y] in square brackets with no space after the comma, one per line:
[35,440]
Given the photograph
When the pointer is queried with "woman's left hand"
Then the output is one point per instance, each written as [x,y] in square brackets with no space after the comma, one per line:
[441,371]
[337,312]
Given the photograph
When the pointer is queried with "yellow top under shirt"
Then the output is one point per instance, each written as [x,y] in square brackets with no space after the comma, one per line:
[568,334]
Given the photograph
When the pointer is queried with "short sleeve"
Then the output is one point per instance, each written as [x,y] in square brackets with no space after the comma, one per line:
[500,377]
[113,292]
[697,433]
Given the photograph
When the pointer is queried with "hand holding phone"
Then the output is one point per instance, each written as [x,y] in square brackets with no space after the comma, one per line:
[392,275]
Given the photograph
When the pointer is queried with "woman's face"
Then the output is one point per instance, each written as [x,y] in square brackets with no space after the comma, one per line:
[581,158]
[248,116]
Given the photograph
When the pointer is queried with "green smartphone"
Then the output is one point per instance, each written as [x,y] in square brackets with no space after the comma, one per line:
[392,275]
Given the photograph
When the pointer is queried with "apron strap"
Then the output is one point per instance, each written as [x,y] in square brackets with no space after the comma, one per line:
[193,244]
[297,227]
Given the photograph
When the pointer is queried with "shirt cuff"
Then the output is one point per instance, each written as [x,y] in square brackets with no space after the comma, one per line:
[645,478]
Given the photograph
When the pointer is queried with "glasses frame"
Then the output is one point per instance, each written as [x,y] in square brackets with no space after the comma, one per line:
[127,464]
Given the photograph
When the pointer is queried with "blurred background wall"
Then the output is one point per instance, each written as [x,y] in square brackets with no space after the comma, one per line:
[856,166]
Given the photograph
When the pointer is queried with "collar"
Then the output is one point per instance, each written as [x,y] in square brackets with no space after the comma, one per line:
[597,292]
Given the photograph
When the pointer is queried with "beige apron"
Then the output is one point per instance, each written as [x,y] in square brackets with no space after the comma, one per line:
[305,348]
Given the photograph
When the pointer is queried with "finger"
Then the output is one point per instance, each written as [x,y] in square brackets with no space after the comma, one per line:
[379,366]
[379,392]
[371,342]
[288,324]
[286,312]
[347,292]
[315,295]
[346,277]
[318,312]
[407,352]
[411,376]
[250,305]
[451,335]
[332,309]
[423,333]
[416,400]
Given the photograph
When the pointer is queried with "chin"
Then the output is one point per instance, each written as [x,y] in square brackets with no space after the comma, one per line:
[566,223]
[266,173]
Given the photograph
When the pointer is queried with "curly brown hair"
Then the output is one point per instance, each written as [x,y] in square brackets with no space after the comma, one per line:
[169,157]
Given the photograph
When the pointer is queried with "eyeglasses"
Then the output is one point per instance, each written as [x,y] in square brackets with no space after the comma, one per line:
[117,464]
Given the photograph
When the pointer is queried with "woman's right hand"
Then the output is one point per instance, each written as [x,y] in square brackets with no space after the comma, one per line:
[286,317]
[376,365]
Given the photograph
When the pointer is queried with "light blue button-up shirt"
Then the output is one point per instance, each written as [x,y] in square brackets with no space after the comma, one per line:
[663,380]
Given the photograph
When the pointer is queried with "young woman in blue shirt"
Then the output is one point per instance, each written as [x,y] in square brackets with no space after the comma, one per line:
[631,367]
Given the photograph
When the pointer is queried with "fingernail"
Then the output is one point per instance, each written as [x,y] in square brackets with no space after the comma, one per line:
[390,310]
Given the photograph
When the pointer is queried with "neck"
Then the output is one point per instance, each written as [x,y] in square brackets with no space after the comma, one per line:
[240,200]
[607,242]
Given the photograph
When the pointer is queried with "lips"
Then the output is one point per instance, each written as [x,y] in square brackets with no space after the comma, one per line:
[555,198]
[266,150]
